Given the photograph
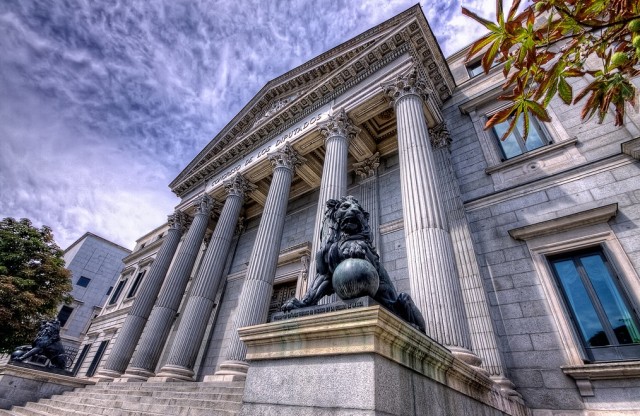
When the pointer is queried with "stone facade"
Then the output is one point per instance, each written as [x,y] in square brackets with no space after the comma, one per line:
[95,265]
[471,234]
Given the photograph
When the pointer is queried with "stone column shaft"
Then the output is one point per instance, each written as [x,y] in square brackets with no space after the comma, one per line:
[338,131]
[157,329]
[253,305]
[189,336]
[369,194]
[137,318]
[483,338]
[435,286]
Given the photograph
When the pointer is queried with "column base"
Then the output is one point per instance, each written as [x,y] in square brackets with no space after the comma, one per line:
[507,387]
[468,357]
[169,373]
[105,376]
[230,371]
[135,374]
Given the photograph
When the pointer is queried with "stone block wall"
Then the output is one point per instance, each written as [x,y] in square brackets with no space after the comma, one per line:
[526,317]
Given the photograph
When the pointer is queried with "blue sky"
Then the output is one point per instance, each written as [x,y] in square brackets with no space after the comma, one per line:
[102,103]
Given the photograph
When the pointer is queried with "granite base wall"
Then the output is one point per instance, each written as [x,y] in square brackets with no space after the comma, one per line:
[364,384]
[19,385]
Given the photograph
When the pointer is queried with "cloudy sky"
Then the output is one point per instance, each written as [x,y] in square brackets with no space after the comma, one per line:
[103,102]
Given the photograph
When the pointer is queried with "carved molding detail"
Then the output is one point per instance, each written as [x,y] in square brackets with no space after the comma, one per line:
[411,83]
[237,185]
[176,220]
[367,167]
[285,157]
[339,125]
[275,107]
[440,136]
[240,226]
[204,204]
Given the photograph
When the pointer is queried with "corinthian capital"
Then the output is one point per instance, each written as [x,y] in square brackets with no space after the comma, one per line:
[285,157]
[237,185]
[339,125]
[176,220]
[440,136]
[411,83]
[367,167]
[205,204]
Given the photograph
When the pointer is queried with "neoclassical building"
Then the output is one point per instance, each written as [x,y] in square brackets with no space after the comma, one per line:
[523,256]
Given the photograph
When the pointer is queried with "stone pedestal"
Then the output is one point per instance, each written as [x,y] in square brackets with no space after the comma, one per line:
[20,384]
[362,361]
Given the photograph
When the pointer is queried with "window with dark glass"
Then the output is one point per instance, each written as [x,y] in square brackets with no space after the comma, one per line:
[83,281]
[136,284]
[514,144]
[64,314]
[603,316]
[96,358]
[109,290]
[81,358]
[117,292]
[475,68]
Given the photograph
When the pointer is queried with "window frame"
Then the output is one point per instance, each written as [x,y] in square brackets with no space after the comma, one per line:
[614,351]
[135,286]
[544,135]
[117,292]
[573,232]
[72,309]
[80,279]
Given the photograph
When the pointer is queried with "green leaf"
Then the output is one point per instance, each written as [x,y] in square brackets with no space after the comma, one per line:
[565,91]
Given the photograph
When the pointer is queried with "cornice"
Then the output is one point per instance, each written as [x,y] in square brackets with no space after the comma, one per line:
[316,83]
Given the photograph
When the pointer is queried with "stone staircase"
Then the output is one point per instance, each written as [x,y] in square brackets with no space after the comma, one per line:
[138,399]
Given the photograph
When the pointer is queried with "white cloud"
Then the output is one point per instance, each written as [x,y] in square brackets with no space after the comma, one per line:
[103,104]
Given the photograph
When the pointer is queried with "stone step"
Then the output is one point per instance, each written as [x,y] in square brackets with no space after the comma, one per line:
[184,386]
[135,403]
[105,407]
[140,399]
[144,396]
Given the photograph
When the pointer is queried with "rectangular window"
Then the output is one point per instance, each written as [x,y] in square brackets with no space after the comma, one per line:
[109,290]
[603,316]
[80,360]
[136,284]
[64,314]
[117,292]
[83,281]
[514,144]
[96,359]
[475,68]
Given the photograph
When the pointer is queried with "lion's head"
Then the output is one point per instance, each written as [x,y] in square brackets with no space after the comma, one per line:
[346,216]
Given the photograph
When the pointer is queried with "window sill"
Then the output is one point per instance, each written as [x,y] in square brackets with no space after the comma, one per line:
[584,374]
[533,154]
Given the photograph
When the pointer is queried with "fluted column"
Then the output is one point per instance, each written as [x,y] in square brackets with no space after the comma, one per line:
[188,339]
[151,343]
[338,130]
[483,338]
[253,305]
[369,193]
[435,286]
[137,318]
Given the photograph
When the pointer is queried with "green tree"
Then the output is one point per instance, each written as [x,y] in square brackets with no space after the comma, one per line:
[33,280]
[553,40]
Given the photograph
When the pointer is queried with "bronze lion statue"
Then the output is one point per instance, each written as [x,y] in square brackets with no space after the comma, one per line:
[346,234]
[47,343]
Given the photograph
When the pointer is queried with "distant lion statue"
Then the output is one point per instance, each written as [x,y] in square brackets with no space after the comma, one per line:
[47,343]
[346,234]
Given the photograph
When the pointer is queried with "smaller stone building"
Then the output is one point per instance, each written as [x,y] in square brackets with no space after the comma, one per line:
[95,265]
[116,302]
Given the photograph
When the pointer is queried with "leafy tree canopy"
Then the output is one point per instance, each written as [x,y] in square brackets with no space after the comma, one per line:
[553,40]
[33,280]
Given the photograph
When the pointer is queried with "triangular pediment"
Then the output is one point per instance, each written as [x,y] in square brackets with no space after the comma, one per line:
[295,94]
